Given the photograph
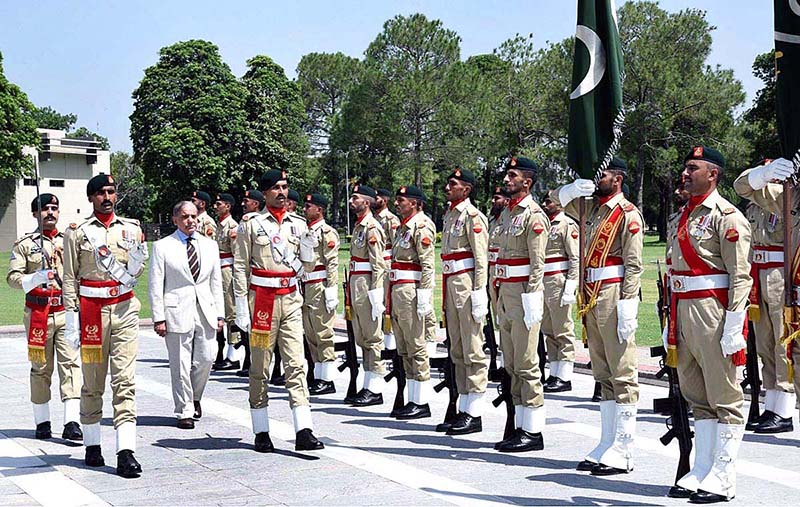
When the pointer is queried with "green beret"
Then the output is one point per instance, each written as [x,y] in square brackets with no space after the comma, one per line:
[42,201]
[707,154]
[412,192]
[384,192]
[317,199]
[618,164]
[255,195]
[226,198]
[203,196]
[292,195]
[522,163]
[98,182]
[270,178]
[463,175]
[365,190]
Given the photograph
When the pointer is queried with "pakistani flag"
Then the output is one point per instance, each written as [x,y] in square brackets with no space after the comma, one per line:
[595,107]
[787,65]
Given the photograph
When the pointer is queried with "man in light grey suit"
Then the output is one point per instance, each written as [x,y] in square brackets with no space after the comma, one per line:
[188,310]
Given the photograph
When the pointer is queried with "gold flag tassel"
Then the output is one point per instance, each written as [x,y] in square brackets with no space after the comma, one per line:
[260,339]
[92,354]
[387,323]
[348,312]
[36,354]
[754,312]
[791,331]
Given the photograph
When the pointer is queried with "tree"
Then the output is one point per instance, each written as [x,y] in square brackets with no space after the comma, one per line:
[134,193]
[84,133]
[17,127]
[761,119]
[189,125]
[48,118]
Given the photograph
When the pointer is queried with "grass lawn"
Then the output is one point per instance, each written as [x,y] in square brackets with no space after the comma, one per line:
[649,333]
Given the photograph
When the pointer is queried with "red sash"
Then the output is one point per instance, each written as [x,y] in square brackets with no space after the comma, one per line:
[37,329]
[598,256]
[92,322]
[264,304]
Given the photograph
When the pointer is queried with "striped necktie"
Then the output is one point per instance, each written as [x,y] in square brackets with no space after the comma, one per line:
[194,263]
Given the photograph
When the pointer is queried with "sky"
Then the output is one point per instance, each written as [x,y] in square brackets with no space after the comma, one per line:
[86,57]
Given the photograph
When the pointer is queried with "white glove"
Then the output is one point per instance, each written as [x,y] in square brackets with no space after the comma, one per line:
[242,320]
[732,340]
[779,169]
[627,310]
[33,280]
[331,298]
[533,307]
[424,302]
[578,188]
[480,304]
[136,259]
[72,330]
[307,244]
[568,296]
[376,300]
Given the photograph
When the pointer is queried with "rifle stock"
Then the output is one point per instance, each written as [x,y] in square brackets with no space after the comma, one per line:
[504,396]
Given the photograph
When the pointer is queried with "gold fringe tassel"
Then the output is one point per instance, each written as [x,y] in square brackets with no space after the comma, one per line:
[387,324]
[36,354]
[260,339]
[672,356]
[92,354]
[348,313]
[754,312]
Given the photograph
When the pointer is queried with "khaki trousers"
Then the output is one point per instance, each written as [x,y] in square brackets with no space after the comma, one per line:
[558,327]
[318,323]
[520,347]
[769,331]
[614,364]
[708,379]
[409,331]
[287,333]
[368,333]
[57,353]
[120,345]
[466,336]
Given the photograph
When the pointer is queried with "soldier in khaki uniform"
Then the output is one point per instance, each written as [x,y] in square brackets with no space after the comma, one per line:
[465,265]
[614,240]
[103,256]
[766,312]
[36,267]
[319,252]
[561,267]
[390,223]
[499,203]
[368,269]
[411,297]
[266,267]
[227,228]
[292,200]
[519,272]
[206,225]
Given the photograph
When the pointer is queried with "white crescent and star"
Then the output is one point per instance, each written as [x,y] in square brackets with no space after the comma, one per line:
[597,61]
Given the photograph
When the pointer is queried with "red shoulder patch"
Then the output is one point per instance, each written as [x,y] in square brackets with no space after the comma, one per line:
[209,231]
[634,227]
[372,239]
[331,244]
[426,241]
[628,207]
[73,225]
[574,234]
[732,235]
[538,228]
[232,234]
[477,229]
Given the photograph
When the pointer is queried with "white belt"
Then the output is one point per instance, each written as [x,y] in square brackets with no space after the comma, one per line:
[104,292]
[226,261]
[688,283]
[273,282]
[767,256]
[506,271]
[556,266]
[314,275]
[397,275]
[456,265]
[387,254]
[604,273]
[360,266]
[494,255]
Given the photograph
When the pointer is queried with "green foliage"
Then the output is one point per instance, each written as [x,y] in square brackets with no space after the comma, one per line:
[84,133]
[134,193]
[48,118]
[761,118]
[17,127]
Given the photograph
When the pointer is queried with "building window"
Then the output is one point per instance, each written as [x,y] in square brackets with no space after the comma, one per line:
[29,182]
[57,183]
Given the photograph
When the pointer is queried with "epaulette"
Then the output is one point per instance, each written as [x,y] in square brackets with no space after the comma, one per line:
[729,210]
[131,220]
[245,218]
[627,206]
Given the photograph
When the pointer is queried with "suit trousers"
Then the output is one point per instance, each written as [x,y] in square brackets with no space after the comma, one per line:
[57,353]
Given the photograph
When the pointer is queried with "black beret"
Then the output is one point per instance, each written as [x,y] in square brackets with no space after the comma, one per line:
[384,192]
[501,191]
[412,192]
[255,195]
[522,163]
[463,175]
[292,195]
[98,182]
[270,178]
[707,154]
[364,190]
[618,164]
[226,198]
[203,196]
[317,199]
[42,201]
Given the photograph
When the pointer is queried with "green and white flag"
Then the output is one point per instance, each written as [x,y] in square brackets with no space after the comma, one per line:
[787,68]
[595,108]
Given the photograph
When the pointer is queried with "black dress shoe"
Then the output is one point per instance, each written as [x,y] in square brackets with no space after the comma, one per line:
[186,424]
[585,466]
[445,426]
[244,372]
[603,470]
[506,440]
[278,380]
[72,431]
[366,398]
[397,411]
[306,441]
[549,380]
[465,424]
[558,386]
[706,497]
[414,412]
[43,431]
[198,410]
[679,492]
[522,441]
[263,442]
[127,466]
[227,365]
[321,387]
[773,423]
[94,457]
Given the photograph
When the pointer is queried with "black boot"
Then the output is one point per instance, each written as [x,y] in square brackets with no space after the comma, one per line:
[603,470]
[306,441]
[751,426]
[127,466]
[43,431]
[558,386]
[585,466]
[263,442]
[366,398]
[320,387]
[773,423]
[414,411]
[706,497]
[94,456]
[465,424]
[522,441]
[679,492]
[72,431]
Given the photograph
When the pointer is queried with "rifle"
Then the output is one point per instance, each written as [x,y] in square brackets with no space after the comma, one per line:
[350,354]
[504,396]
[449,380]
[674,406]
[310,376]
[491,344]
[541,351]
[398,372]
[752,377]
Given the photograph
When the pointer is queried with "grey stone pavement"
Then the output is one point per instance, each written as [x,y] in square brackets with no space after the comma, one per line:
[369,459]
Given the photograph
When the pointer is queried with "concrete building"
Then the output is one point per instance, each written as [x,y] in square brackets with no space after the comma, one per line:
[65,166]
